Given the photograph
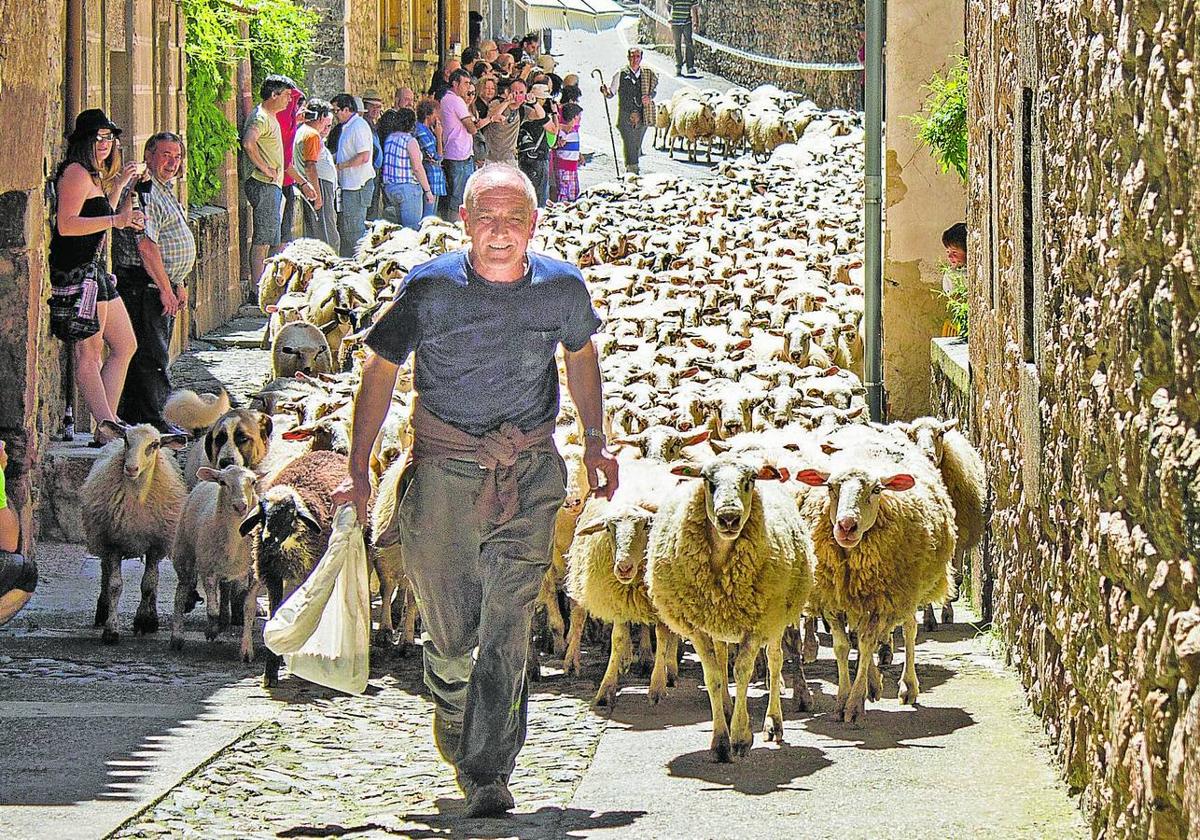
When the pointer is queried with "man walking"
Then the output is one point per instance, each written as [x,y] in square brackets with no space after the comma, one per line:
[484,480]
[152,267]
[685,16]
[634,87]
[263,143]
[356,174]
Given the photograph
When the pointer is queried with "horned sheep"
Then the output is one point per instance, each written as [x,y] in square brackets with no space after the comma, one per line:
[730,562]
[132,498]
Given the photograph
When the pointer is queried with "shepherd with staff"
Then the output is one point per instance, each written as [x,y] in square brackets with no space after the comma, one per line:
[634,87]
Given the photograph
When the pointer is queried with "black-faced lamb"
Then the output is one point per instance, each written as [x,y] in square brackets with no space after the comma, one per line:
[294,520]
[132,499]
[731,563]
[209,549]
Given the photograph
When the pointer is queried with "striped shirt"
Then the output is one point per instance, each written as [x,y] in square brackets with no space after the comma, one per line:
[433,162]
[569,150]
[681,11]
[397,165]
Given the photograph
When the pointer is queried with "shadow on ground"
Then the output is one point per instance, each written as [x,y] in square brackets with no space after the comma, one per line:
[449,824]
[891,728]
[765,770]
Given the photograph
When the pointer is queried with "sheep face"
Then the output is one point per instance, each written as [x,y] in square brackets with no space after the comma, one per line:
[728,490]
[282,515]
[142,444]
[237,484]
[854,496]
[629,531]
[662,443]
[301,347]
[927,433]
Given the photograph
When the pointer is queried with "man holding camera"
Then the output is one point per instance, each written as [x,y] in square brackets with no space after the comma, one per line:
[152,267]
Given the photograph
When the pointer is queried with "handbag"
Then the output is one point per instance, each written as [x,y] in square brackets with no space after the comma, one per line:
[73,310]
[323,629]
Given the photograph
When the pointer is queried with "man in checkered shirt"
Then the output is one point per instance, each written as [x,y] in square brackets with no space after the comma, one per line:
[152,268]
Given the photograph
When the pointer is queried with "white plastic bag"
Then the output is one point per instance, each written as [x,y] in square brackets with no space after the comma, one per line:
[323,629]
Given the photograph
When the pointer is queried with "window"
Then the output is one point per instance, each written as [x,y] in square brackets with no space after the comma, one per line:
[424,26]
[391,25]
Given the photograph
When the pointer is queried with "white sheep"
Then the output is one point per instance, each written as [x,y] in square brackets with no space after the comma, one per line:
[691,122]
[884,533]
[765,130]
[606,567]
[209,549]
[731,563]
[300,347]
[962,472]
[132,498]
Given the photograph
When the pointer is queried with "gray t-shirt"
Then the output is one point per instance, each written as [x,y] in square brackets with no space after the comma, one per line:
[484,352]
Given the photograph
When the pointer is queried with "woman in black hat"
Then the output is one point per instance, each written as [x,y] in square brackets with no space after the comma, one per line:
[89,182]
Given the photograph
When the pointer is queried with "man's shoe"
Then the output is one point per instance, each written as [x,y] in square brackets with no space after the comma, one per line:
[691,71]
[446,736]
[679,71]
[490,800]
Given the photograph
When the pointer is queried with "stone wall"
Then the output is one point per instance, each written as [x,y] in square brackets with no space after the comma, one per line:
[384,45]
[1085,299]
[823,31]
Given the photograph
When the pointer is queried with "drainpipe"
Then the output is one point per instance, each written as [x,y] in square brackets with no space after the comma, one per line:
[74,68]
[873,252]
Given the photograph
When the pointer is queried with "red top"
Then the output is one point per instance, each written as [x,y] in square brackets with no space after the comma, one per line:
[287,130]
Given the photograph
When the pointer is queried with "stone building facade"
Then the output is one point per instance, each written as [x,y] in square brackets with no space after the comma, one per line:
[383,44]
[819,31]
[60,57]
[923,36]
[1085,359]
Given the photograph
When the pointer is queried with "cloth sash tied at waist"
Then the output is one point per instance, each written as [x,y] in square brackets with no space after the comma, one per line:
[497,452]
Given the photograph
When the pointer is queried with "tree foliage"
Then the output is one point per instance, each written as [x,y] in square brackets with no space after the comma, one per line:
[942,124]
[281,38]
[957,306]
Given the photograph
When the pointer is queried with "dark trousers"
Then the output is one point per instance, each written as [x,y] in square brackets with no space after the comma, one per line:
[476,582]
[631,137]
[291,196]
[147,384]
[684,48]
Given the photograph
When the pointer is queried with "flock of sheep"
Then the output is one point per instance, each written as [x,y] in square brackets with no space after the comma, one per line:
[760,120]
[754,495]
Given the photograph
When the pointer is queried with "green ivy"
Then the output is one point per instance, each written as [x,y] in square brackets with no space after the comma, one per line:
[942,125]
[212,47]
[281,38]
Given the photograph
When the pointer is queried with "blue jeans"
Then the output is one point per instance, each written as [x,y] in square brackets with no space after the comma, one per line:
[457,173]
[407,199]
[429,208]
[352,224]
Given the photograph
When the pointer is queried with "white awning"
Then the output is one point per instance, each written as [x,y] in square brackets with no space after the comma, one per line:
[589,15]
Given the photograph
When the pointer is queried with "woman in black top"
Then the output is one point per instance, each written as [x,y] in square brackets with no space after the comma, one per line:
[90,181]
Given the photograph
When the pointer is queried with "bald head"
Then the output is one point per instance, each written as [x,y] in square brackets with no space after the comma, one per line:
[499,177]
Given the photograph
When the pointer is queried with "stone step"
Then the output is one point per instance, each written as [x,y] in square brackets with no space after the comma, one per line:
[65,465]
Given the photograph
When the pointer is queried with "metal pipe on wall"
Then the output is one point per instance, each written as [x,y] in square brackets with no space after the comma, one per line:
[873,222]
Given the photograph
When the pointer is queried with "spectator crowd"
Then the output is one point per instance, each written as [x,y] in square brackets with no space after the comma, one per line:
[348,160]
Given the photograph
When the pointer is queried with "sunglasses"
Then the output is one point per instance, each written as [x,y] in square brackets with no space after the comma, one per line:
[105,137]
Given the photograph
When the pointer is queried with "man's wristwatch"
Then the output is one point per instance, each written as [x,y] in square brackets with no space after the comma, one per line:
[595,433]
